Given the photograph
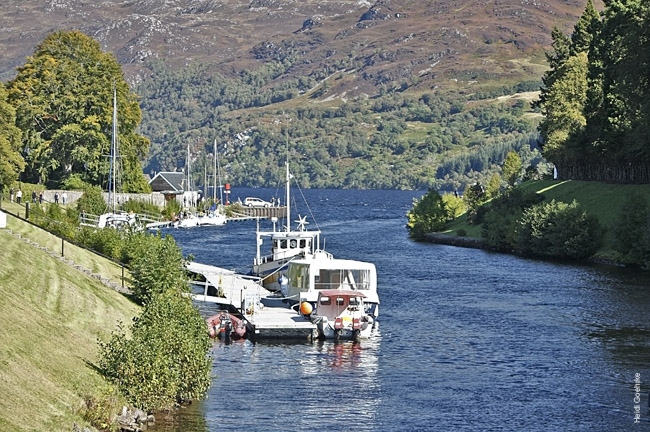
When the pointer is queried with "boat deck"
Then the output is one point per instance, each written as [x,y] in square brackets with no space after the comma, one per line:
[273,320]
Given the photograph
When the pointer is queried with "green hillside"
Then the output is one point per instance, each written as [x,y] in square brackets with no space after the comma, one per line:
[52,315]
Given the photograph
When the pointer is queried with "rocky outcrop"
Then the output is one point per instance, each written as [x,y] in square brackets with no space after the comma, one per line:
[134,420]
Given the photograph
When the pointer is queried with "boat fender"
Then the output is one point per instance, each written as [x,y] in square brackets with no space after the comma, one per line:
[306,308]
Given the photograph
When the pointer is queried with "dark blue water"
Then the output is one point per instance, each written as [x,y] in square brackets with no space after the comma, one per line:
[467,339]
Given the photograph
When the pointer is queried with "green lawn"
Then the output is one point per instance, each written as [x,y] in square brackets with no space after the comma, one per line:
[52,316]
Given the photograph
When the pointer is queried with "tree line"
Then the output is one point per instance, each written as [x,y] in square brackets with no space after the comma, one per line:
[596,95]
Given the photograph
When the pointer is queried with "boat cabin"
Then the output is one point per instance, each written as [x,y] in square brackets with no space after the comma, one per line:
[331,303]
[307,277]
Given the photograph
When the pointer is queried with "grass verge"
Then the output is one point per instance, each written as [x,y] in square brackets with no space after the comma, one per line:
[52,316]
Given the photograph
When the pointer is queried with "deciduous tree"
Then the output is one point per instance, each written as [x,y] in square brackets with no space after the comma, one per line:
[63,96]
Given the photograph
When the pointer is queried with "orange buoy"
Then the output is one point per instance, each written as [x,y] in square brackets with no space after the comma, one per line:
[305,308]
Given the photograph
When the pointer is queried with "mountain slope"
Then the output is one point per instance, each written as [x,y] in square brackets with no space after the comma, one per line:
[393,39]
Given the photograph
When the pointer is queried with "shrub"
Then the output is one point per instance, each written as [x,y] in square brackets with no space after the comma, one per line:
[157,265]
[427,215]
[631,233]
[501,220]
[172,209]
[165,361]
[560,230]
[92,201]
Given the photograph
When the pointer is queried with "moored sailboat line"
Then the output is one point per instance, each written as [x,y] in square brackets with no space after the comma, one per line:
[214,217]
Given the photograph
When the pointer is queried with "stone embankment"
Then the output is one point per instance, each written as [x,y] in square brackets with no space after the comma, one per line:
[470,242]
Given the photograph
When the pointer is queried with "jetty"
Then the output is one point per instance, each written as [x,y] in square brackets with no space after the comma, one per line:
[265,313]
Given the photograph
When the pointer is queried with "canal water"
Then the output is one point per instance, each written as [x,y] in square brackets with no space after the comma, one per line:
[467,339]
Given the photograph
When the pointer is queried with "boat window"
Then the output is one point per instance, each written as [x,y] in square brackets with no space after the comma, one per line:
[325,301]
[354,301]
[283,244]
[303,243]
[299,277]
[340,301]
[293,244]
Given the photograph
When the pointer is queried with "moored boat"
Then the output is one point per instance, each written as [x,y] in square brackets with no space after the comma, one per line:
[308,276]
[340,314]
[226,326]
[286,245]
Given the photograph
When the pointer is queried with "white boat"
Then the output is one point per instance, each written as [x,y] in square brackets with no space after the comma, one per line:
[308,276]
[118,220]
[213,218]
[340,314]
[285,246]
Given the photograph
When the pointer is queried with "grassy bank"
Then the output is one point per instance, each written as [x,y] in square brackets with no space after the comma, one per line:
[603,200]
[52,315]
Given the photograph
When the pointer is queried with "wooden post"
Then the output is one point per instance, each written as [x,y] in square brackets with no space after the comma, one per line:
[122,276]
[62,243]
[27,210]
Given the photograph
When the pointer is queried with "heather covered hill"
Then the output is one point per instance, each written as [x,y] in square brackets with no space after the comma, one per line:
[390,39]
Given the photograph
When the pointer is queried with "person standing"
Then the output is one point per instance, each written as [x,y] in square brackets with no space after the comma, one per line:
[34,197]
[11,195]
[56,198]
[19,195]
[40,198]
[64,197]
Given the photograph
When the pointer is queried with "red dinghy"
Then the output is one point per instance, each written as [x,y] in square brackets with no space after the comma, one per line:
[226,326]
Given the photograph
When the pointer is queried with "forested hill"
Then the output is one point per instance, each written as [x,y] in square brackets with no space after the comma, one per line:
[376,94]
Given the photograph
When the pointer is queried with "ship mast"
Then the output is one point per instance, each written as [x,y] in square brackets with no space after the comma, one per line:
[112,171]
[288,186]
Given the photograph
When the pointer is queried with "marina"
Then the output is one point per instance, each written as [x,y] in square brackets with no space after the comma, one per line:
[264,312]
[277,300]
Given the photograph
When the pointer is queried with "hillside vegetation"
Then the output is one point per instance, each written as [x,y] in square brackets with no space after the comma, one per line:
[606,202]
[52,316]
[369,94]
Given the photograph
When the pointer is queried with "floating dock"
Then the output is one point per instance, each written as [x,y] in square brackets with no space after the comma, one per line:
[265,314]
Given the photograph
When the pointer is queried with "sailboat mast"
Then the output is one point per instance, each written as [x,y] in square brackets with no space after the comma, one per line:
[214,173]
[112,174]
[288,186]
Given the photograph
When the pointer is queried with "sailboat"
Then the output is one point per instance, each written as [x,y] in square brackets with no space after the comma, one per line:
[215,216]
[112,218]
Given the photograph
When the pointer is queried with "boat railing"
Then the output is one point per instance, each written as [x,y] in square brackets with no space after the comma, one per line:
[345,285]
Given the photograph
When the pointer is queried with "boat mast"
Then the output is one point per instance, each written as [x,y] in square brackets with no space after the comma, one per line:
[214,173]
[288,186]
[189,186]
[112,171]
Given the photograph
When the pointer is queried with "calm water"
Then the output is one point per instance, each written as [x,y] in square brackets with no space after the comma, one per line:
[467,339]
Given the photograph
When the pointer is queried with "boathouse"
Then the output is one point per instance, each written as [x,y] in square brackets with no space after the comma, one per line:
[173,185]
